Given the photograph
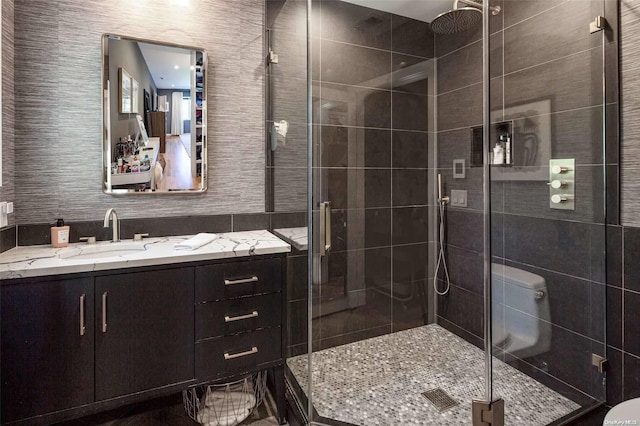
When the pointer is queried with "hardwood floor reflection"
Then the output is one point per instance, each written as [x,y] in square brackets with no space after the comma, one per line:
[177,165]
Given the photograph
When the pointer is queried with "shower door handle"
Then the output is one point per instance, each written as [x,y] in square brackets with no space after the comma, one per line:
[325,227]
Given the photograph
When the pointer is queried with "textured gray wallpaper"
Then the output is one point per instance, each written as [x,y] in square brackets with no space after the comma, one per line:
[58,103]
[630,113]
[7,191]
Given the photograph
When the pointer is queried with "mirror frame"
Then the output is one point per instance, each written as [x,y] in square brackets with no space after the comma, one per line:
[105,86]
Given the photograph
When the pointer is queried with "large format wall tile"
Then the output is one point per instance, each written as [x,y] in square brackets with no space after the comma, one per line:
[354,65]
[569,83]
[411,37]
[420,78]
[354,24]
[544,243]
[460,108]
[410,111]
[550,35]
[516,11]
[410,187]
[410,149]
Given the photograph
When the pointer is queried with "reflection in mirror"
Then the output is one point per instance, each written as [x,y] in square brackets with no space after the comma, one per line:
[154,117]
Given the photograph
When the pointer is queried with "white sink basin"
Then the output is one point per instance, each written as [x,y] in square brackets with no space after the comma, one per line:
[100,251]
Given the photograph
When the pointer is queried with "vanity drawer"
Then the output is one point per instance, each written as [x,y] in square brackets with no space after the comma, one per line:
[236,354]
[219,282]
[238,315]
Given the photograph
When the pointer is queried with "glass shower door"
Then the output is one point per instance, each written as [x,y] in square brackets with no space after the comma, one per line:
[555,74]
[377,354]
[388,117]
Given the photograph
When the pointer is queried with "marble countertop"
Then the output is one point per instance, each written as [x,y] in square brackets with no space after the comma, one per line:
[297,237]
[33,261]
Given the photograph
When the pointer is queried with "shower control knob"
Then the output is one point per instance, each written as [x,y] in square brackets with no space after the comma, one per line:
[557,199]
[557,170]
[557,184]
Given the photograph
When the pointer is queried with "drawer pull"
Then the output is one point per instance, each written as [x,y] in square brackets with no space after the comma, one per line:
[253,279]
[83,328]
[104,311]
[254,350]
[241,317]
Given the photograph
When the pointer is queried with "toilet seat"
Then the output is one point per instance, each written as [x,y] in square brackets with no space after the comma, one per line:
[625,413]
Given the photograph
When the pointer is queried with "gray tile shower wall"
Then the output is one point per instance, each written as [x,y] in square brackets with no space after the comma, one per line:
[623,296]
[373,115]
[7,147]
[58,103]
[538,81]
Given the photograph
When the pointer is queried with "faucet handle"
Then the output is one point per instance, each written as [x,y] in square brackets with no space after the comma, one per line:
[139,237]
[89,240]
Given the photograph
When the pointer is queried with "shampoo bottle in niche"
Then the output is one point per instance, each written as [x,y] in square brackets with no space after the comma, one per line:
[60,234]
[498,154]
[507,148]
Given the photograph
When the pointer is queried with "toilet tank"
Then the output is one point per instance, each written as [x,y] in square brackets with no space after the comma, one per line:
[521,318]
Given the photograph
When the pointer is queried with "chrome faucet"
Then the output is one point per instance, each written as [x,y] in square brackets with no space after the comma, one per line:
[111,214]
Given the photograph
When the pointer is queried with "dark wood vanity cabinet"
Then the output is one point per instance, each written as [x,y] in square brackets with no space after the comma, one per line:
[238,317]
[83,343]
[240,309]
[46,346]
[144,331]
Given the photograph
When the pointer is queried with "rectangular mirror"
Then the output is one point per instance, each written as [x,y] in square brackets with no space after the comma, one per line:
[154,117]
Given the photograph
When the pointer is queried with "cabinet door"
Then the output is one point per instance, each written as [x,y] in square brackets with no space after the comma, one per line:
[144,331]
[47,360]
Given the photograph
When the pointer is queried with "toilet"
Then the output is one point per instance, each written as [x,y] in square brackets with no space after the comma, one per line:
[625,413]
[521,318]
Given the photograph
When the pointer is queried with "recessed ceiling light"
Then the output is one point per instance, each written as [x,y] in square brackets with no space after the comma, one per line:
[173,85]
[176,67]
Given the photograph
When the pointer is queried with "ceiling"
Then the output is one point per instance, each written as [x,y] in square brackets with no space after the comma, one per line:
[162,61]
[423,10]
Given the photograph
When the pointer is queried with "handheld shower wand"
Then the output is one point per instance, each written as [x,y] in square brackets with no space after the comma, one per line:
[442,201]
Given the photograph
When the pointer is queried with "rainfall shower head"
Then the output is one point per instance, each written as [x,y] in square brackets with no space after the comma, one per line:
[456,20]
[460,19]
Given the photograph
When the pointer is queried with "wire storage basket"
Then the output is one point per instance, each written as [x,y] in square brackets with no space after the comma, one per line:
[226,404]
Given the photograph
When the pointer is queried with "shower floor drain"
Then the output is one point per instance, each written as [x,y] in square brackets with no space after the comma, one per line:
[440,399]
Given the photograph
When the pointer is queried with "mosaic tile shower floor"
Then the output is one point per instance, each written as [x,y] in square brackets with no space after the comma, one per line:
[379,381]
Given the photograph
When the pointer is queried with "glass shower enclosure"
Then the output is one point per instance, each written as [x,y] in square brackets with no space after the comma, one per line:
[454,180]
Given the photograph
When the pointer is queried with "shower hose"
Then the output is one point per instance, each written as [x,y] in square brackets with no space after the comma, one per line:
[441,259]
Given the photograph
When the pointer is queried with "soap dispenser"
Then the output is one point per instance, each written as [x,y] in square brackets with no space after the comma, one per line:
[60,234]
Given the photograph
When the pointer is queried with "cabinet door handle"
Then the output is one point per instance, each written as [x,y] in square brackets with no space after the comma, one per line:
[241,317]
[83,329]
[104,311]
[254,350]
[253,279]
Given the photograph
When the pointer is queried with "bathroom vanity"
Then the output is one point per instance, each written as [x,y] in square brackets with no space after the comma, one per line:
[90,331]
